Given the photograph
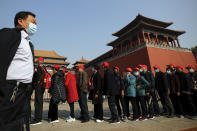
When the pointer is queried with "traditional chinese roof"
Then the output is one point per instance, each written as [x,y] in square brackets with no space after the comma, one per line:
[56,62]
[48,54]
[138,19]
[81,61]
[146,26]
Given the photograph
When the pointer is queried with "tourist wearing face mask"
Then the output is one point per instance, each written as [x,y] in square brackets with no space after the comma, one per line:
[186,92]
[16,69]
[130,93]
[151,98]
[162,86]
[141,84]
[193,79]
[174,84]
[120,96]
[97,99]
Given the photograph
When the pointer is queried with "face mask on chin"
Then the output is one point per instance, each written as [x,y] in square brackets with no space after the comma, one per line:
[31,30]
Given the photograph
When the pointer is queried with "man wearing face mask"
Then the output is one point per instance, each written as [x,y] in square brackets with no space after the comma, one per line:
[120,97]
[151,99]
[162,86]
[193,78]
[175,92]
[16,69]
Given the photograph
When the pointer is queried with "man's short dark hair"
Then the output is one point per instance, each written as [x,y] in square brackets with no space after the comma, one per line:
[22,15]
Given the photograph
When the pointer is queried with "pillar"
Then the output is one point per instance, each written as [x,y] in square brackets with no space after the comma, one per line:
[138,39]
[174,43]
[143,36]
[157,38]
[148,37]
[178,43]
[167,40]
[131,44]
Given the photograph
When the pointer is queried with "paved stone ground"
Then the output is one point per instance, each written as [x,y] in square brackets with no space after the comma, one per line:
[157,124]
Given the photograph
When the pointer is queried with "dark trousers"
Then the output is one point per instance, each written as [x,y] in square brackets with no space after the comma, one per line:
[134,106]
[83,105]
[141,104]
[195,99]
[53,110]
[152,104]
[29,90]
[39,91]
[98,111]
[112,107]
[120,99]
[155,103]
[12,114]
[72,111]
[188,104]
[176,101]
[167,104]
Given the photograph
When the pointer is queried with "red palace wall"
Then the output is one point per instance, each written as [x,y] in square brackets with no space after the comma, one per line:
[162,57]
[151,56]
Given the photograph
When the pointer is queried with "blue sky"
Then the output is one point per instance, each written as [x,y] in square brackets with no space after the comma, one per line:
[76,28]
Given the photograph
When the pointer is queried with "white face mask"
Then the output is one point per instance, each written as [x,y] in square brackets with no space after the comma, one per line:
[156,70]
[141,70]
[31,30]
[168,72]
[191,70]
[136,73]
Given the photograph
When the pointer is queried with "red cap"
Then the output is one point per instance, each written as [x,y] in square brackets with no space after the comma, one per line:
[173,65]
[105,64]
[56,67]
[179,67]
[190,66]
[145,66]
[40,59]
[128,70]
[140,66]
[64,70]
[116,67]
[137,69]
[81,66]
[156,67]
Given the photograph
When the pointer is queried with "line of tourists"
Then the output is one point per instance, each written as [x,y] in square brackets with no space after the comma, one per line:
[137,86]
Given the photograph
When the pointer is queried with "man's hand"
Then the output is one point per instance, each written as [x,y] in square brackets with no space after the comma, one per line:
[96,96]
[178,93]
[122,93]
[138,86]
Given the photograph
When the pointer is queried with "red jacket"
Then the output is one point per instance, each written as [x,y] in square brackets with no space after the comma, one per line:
[71,89]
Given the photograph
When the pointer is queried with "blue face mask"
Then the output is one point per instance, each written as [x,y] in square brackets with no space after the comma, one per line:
[31,30]
[93,69]
[141,70]
[136,73]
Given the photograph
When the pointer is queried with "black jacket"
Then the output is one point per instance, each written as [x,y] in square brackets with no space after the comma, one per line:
[150,78]
[58,90]
[119,83]
[161,83]
[186,84]
[110,87]
[174,83]
[97,89]
[38,78]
